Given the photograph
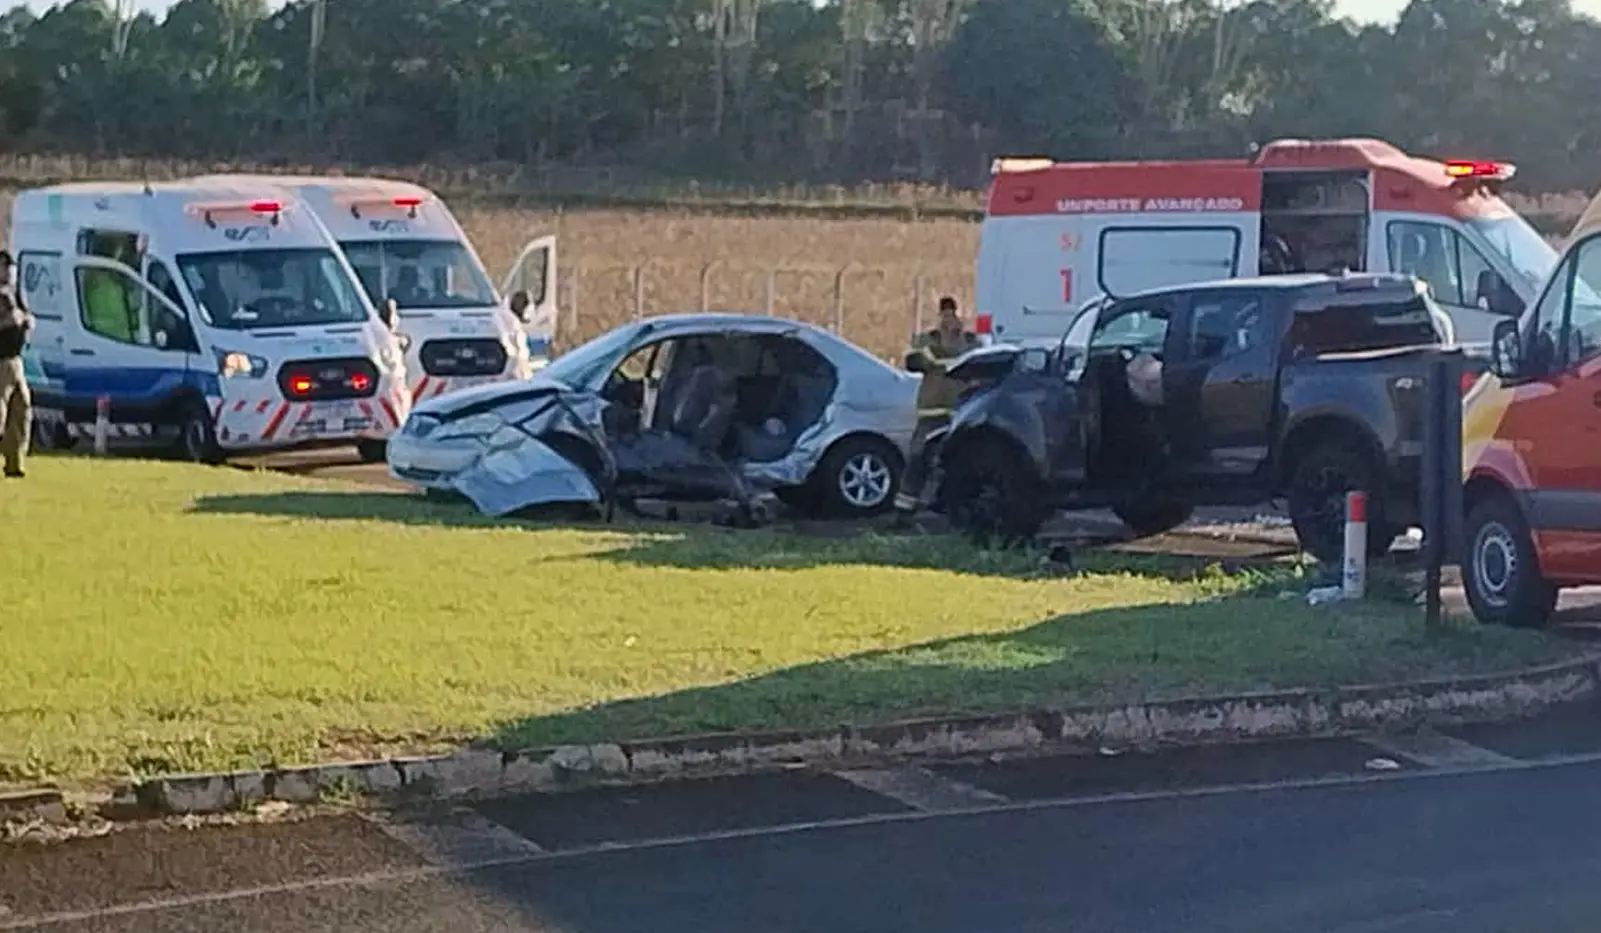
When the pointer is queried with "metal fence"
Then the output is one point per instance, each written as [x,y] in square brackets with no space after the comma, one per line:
[877,307]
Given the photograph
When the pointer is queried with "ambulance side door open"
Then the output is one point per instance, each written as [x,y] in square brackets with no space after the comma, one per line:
[1461,276]
[531,283]
[1553,422]
[130,342]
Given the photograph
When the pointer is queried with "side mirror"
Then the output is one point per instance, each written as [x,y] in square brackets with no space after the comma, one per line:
[1506,349]
[389,313]
[519,303]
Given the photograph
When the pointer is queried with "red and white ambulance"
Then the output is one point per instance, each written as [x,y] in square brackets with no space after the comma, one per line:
[1056,234]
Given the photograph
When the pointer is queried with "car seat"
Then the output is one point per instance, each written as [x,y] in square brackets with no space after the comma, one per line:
[703,408]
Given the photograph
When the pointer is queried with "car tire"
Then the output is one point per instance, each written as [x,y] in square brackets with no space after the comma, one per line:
[1318,484]
[197,436]
[992,495]
[1153,517]
[858,478]
[372,450]
[1501,570]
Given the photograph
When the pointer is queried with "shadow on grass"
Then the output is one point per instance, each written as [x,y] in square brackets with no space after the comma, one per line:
[698,545]
[1109,655]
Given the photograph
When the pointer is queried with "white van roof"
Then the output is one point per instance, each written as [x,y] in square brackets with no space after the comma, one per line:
[185,216]
[364,207]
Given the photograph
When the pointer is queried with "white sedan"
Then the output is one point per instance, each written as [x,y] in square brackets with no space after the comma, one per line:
[693,406]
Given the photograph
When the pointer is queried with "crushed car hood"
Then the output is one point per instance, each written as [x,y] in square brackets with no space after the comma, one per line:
[484,397]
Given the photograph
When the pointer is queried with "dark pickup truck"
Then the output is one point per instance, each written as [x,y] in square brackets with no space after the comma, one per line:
[1234,392]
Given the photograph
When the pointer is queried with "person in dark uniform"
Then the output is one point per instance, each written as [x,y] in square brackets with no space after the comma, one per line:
[930,353]
[16,401]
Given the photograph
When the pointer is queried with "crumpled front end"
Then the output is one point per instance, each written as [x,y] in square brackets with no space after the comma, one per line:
[523,472]
[509,457]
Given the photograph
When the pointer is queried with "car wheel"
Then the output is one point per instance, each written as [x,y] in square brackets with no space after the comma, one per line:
[197,436]
[1318,485]
[1153,517]
[990,495]
[1501,571]
[371,450]
[858,478]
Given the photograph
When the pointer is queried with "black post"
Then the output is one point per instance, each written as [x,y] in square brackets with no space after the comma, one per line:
[1441,489]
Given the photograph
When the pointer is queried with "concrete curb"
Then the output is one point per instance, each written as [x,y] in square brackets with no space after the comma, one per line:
[478,770]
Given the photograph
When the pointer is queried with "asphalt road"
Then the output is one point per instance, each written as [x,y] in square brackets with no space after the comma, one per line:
[1478,829]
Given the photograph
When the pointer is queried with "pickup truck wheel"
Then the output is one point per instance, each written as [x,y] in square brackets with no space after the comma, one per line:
[990,495]
[1153,517]
[1317,491]
[1501,572]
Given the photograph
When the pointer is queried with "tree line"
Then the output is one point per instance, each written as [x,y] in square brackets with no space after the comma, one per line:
[767,91]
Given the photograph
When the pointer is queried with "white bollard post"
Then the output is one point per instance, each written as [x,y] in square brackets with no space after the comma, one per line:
[102,423]
[1354,580]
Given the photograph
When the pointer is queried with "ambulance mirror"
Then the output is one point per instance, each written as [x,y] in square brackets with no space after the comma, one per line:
[1506,349]
[519,302]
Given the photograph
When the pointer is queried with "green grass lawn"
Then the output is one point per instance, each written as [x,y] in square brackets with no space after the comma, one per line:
[162,617]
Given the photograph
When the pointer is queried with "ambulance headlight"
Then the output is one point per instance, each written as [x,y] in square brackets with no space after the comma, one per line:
[232,363]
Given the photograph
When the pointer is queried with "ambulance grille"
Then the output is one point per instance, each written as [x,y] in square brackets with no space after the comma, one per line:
[328,379]
[463,357]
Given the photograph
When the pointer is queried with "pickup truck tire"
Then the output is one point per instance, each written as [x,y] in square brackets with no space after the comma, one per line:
[991,495]
[1153,517]
[1501,571]
[1318,484]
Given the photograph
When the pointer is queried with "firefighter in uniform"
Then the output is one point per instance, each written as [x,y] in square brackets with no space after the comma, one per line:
[931,352]
[16,402]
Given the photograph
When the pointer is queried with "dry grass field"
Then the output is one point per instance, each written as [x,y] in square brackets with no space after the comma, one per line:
[618,262]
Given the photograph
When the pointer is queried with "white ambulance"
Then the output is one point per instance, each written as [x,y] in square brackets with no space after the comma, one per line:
[406,247]
[210,318]
[1057,234]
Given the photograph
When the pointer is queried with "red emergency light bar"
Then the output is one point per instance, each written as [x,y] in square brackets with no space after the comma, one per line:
[265,207]
[408,202]
[1468,168]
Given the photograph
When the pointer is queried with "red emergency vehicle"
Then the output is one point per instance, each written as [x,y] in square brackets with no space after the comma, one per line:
[1056,234]
[1531,438]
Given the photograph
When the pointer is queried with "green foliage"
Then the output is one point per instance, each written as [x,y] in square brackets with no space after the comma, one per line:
[796,90]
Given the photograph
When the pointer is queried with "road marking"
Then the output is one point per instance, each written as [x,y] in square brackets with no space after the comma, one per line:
[1435,750]
[459,837]
[428,872]
[921,789]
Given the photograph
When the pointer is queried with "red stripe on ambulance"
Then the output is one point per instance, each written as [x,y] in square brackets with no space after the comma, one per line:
[276,419]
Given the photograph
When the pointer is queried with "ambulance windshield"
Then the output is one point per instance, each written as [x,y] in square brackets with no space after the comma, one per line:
[420,273]
[1519,244]
[259,288]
